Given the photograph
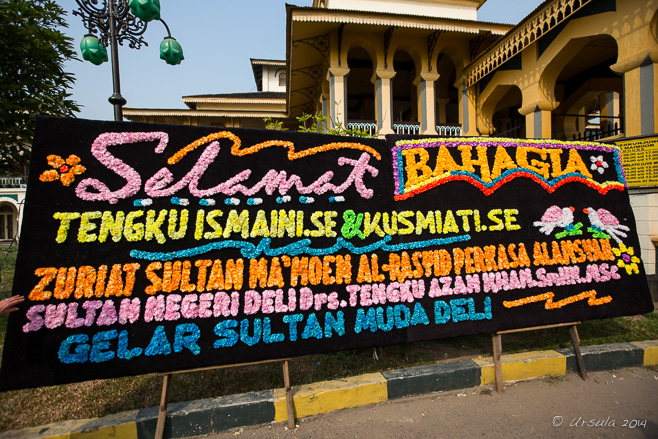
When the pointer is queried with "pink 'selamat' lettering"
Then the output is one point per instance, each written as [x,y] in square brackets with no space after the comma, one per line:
[162,184]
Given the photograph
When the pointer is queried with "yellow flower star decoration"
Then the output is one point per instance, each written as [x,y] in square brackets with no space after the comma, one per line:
[627,260]
[64,170]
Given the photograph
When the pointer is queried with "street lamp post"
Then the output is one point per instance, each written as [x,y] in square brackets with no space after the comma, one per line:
[111,22]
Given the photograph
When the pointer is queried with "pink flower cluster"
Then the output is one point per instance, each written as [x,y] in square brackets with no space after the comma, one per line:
[134,181]
[99,312]
[191,306]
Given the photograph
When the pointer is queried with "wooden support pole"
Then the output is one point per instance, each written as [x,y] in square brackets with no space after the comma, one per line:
[162,413]
[498,349]
[290,405]
[535,328]
[575,340]
[498,367]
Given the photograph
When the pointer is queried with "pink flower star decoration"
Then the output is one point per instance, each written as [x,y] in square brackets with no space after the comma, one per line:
[64,170]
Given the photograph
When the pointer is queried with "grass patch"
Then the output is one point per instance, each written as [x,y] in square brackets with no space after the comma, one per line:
[554,380]
[7,264]
[32,407]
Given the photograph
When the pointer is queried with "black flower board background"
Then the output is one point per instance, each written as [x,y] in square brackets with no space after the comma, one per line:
[153,248]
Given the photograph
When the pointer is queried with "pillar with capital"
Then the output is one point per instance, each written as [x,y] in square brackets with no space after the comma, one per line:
[384,100]
[467,109]
[337,77]
[426,102]
[442,116]
[640,95]
[538,122]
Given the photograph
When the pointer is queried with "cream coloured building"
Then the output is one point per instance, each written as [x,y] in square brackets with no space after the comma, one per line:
[231,109]
[572,69]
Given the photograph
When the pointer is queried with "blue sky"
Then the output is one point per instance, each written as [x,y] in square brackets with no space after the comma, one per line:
[218,38]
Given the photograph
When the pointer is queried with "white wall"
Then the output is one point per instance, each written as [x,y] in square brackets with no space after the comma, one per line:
[271,76]
[645,209]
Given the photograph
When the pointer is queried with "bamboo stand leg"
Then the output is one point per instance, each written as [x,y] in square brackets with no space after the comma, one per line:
[575,339]
[162,413]
[289,401]
[498,368]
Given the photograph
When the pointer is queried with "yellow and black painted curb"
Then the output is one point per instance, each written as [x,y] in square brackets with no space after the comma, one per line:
[209,416]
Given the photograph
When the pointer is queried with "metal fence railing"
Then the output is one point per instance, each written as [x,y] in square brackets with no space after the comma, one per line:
[598,133]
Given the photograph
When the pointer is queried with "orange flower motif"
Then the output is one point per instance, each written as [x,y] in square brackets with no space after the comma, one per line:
[65,170]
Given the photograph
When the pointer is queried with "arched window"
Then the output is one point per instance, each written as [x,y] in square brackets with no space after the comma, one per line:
[405,95]
[282,79]
[360,89]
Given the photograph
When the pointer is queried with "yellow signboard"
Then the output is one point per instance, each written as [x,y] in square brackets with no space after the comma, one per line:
[640,159]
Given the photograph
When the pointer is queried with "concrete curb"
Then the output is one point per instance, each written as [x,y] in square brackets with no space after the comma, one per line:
[209,416]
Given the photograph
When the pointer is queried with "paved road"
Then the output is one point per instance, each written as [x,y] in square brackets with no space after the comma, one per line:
[611,404]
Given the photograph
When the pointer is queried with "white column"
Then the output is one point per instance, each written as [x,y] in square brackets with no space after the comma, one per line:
[467,112]
[337,77]
[442,117]
[384,101]
[427,103]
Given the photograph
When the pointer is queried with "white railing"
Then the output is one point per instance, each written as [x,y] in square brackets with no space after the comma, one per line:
[449,130]
[406,128]
[443,130]
[11,182]
[370,127]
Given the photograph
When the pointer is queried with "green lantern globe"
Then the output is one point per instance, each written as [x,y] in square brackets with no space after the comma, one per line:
[145,10]
[171,51]
[92,50]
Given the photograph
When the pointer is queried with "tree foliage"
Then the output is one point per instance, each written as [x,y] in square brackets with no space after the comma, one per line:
[32,76]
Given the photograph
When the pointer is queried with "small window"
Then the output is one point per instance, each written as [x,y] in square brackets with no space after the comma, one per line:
[6,222]
[282,79]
